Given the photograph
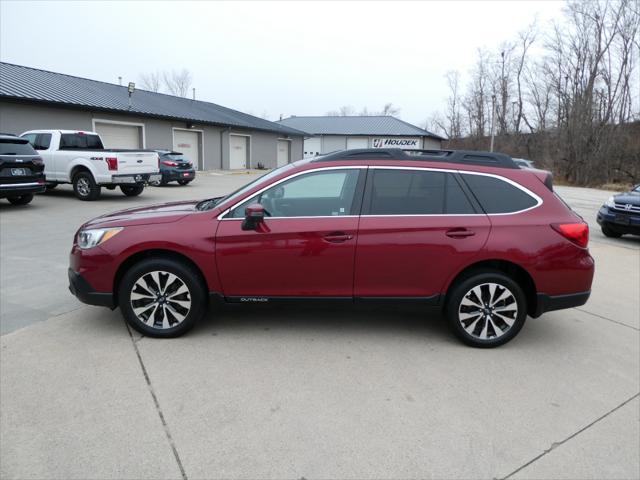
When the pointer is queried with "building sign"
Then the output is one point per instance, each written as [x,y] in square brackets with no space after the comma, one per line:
[408,143]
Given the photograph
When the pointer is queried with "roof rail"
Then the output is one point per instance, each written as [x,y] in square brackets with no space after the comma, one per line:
[469,157]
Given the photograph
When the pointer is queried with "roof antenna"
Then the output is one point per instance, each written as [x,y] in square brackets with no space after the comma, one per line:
[120,80]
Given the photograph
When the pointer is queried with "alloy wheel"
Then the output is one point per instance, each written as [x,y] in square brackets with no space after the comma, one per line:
[160,299]
[488,311]
[83,187]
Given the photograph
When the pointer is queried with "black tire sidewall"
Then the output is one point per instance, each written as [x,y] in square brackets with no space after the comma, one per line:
[94,188]
[184,182]
[21,200]
[608,232]
[181,270]
[461,288]
[132,191]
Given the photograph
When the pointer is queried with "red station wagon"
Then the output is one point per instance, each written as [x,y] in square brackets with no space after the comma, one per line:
[468,231]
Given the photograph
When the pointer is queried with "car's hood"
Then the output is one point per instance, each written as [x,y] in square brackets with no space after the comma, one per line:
[160,213]
[632,198]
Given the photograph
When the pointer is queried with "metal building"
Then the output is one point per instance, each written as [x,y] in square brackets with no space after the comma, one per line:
[211,136]
[329,133]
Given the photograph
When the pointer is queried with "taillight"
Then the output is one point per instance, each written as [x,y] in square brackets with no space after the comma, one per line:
[577,233]
[169,164]
[38,162]
[112,163]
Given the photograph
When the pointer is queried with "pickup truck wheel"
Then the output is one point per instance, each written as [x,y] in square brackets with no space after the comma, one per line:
[486,309]
[161,297]
[85,187]
[21,200]
[132,191]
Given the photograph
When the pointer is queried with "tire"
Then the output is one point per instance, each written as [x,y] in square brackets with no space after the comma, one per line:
[21,200]
[50,186]
[482,331]
[608,232]
[184,182]
[85,187]
[145,305]
[132,191]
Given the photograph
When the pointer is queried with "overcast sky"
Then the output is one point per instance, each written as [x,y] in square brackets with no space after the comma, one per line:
[289,58]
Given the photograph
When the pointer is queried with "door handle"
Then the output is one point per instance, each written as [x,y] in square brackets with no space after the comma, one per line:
[337,237]
[459,233]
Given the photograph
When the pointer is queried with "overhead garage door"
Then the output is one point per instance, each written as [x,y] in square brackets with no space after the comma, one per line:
[238,155]
[357,142]
[120,136]
[284,152]
[188,143]
[312,146]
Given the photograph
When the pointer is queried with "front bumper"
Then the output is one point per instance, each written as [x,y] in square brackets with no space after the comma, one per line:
[79,287]
[136,178]
[618,221]
[548,303]
[17,189]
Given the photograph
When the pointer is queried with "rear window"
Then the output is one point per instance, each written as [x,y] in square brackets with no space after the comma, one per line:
[415,192]
[498,196]
[72,141]
[16,147]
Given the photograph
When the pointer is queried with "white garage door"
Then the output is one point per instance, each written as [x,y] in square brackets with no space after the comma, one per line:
[238,154]
[357,142]
[312,146]
[119,136]
[284,152]
[188,143]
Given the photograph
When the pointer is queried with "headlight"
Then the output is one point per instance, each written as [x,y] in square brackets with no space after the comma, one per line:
[610,203]
[94,237]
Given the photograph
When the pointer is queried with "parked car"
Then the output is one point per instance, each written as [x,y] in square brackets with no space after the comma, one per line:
[620,214]
[174,166]
[468,231]
[524,163]
[79,158]
[21,170]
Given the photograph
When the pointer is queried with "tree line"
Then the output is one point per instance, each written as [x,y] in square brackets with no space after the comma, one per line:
[578,92]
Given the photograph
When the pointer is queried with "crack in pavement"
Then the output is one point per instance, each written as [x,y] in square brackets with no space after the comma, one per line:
[157,403]
[608,319]
[555,445]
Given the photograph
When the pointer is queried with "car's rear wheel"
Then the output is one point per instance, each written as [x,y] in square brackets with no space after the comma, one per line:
[21,200]
[486,309]
[608,232]
[132,191]
[161,297]
[184,182]
[85,187]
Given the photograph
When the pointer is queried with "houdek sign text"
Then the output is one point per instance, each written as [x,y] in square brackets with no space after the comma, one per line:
[410,143]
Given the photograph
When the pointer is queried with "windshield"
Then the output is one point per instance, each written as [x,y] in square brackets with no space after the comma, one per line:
[174,156]
[212,202]
[636,188]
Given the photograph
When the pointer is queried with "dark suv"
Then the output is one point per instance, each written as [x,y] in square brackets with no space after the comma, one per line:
[470,232]
[21,170]
[620,214]
[175,167]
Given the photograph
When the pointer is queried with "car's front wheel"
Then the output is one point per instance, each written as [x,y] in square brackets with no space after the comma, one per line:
[161,297]
[486,309]
[85,187]
[21,200]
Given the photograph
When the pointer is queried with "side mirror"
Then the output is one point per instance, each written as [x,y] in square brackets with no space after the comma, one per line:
[253,216]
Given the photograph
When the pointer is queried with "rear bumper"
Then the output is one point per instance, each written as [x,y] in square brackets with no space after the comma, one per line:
[17,189]
[136,178]
[548,303]
[173,174]
[79,287]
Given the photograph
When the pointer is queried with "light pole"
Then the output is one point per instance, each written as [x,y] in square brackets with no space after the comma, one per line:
[493,116]
[131,88]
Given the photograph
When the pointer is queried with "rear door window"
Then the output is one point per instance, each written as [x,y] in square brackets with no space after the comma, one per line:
[415,192]
[43,141]
[498,196]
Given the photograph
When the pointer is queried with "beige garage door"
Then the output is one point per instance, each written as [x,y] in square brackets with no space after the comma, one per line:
[357,142]
[284,152]
[120,136]
[239,152]
[188,143]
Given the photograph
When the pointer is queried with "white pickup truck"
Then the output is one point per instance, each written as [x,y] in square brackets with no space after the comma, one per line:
[79,158]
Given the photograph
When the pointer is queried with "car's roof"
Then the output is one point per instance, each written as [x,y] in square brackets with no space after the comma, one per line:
[11,136]
[44,130]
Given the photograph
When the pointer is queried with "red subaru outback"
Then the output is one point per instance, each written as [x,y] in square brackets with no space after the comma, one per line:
[469,231]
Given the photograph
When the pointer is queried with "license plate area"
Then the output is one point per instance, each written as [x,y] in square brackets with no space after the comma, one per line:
[622,220]
[19,172]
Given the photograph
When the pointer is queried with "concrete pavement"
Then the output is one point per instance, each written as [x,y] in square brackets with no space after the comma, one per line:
[296,392]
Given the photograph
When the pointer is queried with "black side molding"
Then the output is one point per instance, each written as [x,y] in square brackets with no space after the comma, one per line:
[548,303]
[79,287]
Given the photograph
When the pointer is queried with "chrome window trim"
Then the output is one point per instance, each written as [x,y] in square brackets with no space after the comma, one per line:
[321,169]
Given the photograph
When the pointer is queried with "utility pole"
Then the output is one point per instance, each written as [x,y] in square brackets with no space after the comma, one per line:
[493,117]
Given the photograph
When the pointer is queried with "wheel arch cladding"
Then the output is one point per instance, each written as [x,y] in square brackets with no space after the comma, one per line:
[513,270]
[156,253]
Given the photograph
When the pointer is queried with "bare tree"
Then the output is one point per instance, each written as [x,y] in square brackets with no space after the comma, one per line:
[389,110]
[151,81]
[343,111]
[178,83]
[476,102]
